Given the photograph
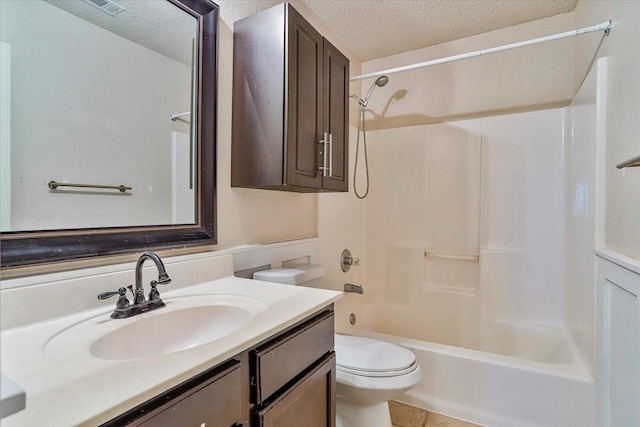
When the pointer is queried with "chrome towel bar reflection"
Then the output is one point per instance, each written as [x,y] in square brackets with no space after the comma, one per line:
[175,116]
[631,163]
[54,186]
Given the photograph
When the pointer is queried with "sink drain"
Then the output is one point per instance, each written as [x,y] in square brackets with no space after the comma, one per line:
[352,318]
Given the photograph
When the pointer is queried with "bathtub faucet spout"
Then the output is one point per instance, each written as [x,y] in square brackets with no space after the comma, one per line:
[348,287]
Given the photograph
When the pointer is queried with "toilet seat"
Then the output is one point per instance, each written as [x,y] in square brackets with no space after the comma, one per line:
[372,358]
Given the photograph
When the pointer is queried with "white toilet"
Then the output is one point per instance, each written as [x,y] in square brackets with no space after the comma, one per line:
[369,372]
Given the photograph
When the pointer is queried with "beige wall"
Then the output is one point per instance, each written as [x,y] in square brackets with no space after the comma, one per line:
[247,215]
[622,216]
[258,216]
[342,224]
[524,79]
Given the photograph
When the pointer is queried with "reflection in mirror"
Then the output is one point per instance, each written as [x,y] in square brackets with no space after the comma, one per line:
[92,105]
[94,99]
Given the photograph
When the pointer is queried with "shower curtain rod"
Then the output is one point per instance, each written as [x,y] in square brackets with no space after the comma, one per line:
[605,26]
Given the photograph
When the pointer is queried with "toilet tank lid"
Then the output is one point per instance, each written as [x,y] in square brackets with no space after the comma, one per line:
[292,275]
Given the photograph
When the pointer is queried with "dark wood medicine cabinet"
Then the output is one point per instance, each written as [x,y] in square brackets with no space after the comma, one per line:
[290,105]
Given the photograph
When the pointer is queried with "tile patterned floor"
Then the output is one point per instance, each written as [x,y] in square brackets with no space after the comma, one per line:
[403,415]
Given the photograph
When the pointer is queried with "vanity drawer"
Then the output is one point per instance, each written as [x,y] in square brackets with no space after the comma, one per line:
[217,404]
[213,402]
[281,360]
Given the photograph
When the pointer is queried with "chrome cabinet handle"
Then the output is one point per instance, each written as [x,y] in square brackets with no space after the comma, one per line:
[327,167]
[324,141]
[330,156]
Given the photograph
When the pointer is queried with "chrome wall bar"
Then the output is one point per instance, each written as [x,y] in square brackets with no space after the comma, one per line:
[465,257]
[54,186]
[631,163]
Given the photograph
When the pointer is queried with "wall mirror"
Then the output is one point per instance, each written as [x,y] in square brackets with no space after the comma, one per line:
[108,124]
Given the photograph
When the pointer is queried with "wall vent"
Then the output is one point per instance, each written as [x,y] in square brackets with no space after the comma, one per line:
[106,6]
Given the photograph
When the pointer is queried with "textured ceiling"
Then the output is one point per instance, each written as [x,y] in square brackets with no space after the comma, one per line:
[368,28]
[158,25]
[377,28]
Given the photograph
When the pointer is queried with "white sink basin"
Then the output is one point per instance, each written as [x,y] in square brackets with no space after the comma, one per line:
[168,332]
[185,323]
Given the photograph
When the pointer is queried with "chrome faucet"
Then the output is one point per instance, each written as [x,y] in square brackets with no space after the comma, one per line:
[163,278]
[349,287]
[123,308]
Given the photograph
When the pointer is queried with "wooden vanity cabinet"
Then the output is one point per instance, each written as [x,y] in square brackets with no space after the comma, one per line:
[286,380]
[290,105]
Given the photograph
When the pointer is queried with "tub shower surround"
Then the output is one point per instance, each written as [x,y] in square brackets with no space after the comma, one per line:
[471,257]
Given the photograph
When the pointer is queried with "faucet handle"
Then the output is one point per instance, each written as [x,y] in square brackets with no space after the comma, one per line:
[123,302]
[153,293]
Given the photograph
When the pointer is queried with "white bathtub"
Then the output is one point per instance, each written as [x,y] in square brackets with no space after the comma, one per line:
[510,374]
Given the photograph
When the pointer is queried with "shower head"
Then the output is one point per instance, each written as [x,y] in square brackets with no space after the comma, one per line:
[380,81]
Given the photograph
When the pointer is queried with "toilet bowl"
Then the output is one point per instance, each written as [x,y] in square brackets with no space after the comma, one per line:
[369,373]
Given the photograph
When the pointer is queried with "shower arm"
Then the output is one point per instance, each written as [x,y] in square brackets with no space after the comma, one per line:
[380,81]
[357,98]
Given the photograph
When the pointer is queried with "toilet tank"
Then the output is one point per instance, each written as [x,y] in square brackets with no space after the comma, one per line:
[309,275]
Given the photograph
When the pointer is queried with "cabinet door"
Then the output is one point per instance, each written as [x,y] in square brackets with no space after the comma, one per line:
[310,402]
[618,345]
[336,116]
[217,404]
[304,103]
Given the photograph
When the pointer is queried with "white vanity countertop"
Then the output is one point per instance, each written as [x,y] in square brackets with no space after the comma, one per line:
[11,397]
[73,388]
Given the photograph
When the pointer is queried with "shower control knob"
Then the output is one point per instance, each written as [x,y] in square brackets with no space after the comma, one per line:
[346,260]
